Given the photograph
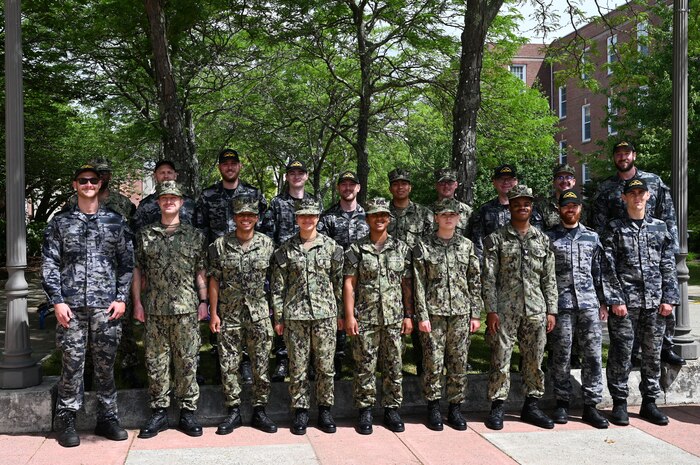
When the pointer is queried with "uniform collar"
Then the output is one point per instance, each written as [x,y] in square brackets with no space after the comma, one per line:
[367,245]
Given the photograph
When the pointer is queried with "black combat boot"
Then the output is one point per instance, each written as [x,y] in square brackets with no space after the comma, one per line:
[157,423]
[561,413]
[325,419]
[434,415]
[301,421]
[65,427]
[650,412]
[232,421]
[281,370]
[393,421]
[495,419]
[619,415]
[261,421]
[111,429]
[188,423]
[532,414]
[246,371]
[593,417]
[671,357]
[455,418]
[364,421]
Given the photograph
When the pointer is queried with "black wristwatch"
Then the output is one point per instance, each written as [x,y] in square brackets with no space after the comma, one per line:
[204,301]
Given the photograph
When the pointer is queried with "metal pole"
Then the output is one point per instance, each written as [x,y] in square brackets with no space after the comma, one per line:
[17,368]
[686,346]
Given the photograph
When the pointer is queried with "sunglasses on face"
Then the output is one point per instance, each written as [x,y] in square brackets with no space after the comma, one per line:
[565,178]
[93,181]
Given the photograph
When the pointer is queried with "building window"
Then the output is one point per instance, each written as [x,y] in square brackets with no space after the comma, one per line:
[585,173]
[586,123]
[519,71]
[562,102]
[584,61]
[563,155]
[643,38]
[612,116]
[612,52]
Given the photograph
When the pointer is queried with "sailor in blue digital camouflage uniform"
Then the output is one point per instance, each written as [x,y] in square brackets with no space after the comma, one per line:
[88,259]
[641,287]
[578,254]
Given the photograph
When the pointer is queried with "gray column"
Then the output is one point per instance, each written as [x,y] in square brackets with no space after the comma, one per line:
[17,368]
[686,346]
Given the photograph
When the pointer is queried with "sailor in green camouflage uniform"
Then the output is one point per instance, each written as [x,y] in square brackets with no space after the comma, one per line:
[410,222]
[170,297]
[87,264]
[377,297]
[520,296]
[239,263]
[306,300]
[448,307]
[445,186]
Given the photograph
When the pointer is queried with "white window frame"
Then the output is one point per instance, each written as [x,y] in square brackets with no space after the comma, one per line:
[642,35]
[562,102]
[585,173]
[523,67]
[585,109]
[563,155]
[584,76]
[612,52]
[612,113]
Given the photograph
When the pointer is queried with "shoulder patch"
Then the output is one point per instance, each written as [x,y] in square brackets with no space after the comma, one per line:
[351,257]
[418,252]
[488,242]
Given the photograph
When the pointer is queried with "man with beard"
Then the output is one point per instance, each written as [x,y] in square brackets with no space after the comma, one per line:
[445,186]
[279,225]
[578,254]
[608,205]
[520,296]
[148,211]
[563,178]
[345,223]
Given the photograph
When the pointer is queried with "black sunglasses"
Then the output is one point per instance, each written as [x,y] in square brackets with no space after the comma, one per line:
[93,181]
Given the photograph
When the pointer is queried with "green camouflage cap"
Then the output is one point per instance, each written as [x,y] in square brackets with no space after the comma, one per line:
[564,168]
[446,206]
[399,174]
[168,188]
[569,196]
[377,205]
[102,164]
[445,174]
[245,205]
[521,190]
[307,207]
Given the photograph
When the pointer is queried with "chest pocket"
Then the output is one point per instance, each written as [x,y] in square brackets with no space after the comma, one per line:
[433,267]
[323,261]
[369,267]
[395,262]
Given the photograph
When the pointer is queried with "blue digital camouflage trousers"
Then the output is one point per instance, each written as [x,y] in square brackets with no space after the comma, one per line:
[93,325]
[303,337]
[580,327]
[649,327]
[373,343]
[172,339]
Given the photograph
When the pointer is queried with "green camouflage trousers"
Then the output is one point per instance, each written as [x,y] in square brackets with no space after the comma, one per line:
[531,333]
[446,346]
[303,337]
[234,340]
[176,339]
[377,342]
[88,326]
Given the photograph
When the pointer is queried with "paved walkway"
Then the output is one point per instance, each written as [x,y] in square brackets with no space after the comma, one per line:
[576,442]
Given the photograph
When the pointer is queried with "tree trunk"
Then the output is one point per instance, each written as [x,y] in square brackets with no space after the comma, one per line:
[178,143]
[477,19]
